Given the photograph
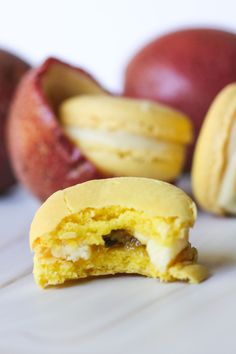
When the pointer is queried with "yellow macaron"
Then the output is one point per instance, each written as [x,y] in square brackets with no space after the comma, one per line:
[127,137]
[116,225]
[214,163]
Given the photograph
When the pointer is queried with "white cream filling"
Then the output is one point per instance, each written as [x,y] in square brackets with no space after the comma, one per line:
[72,253]
[160,255]
[227,193]
[119,140]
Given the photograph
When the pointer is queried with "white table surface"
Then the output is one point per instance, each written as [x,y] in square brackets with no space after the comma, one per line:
[124,314]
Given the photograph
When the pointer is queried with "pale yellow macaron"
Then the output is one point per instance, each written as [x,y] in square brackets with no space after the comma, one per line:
[127,137]
[214,163]
[117,225]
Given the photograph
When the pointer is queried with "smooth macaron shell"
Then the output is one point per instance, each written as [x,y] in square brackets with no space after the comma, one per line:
[211,153]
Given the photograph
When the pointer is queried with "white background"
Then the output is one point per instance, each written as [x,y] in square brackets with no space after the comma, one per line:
[101,35]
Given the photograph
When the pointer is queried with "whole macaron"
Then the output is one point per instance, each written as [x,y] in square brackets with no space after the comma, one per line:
[128,137]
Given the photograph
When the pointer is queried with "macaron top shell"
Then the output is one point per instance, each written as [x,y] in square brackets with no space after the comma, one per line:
[154,198]
[211,153]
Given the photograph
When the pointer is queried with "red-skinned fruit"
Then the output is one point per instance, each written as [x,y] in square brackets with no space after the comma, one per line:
[184,69]
[11,70]
[43,158]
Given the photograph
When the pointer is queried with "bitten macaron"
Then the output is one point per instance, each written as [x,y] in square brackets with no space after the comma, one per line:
[115,225]
[214,164]
[128,137]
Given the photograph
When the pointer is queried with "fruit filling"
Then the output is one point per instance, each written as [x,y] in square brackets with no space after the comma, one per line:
[120,238]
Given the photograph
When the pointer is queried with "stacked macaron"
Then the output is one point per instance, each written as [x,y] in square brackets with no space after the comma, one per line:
[125,137]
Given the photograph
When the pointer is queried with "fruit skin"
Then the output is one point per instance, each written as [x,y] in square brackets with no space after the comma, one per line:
[11,70]
[43,158]
[184,69]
